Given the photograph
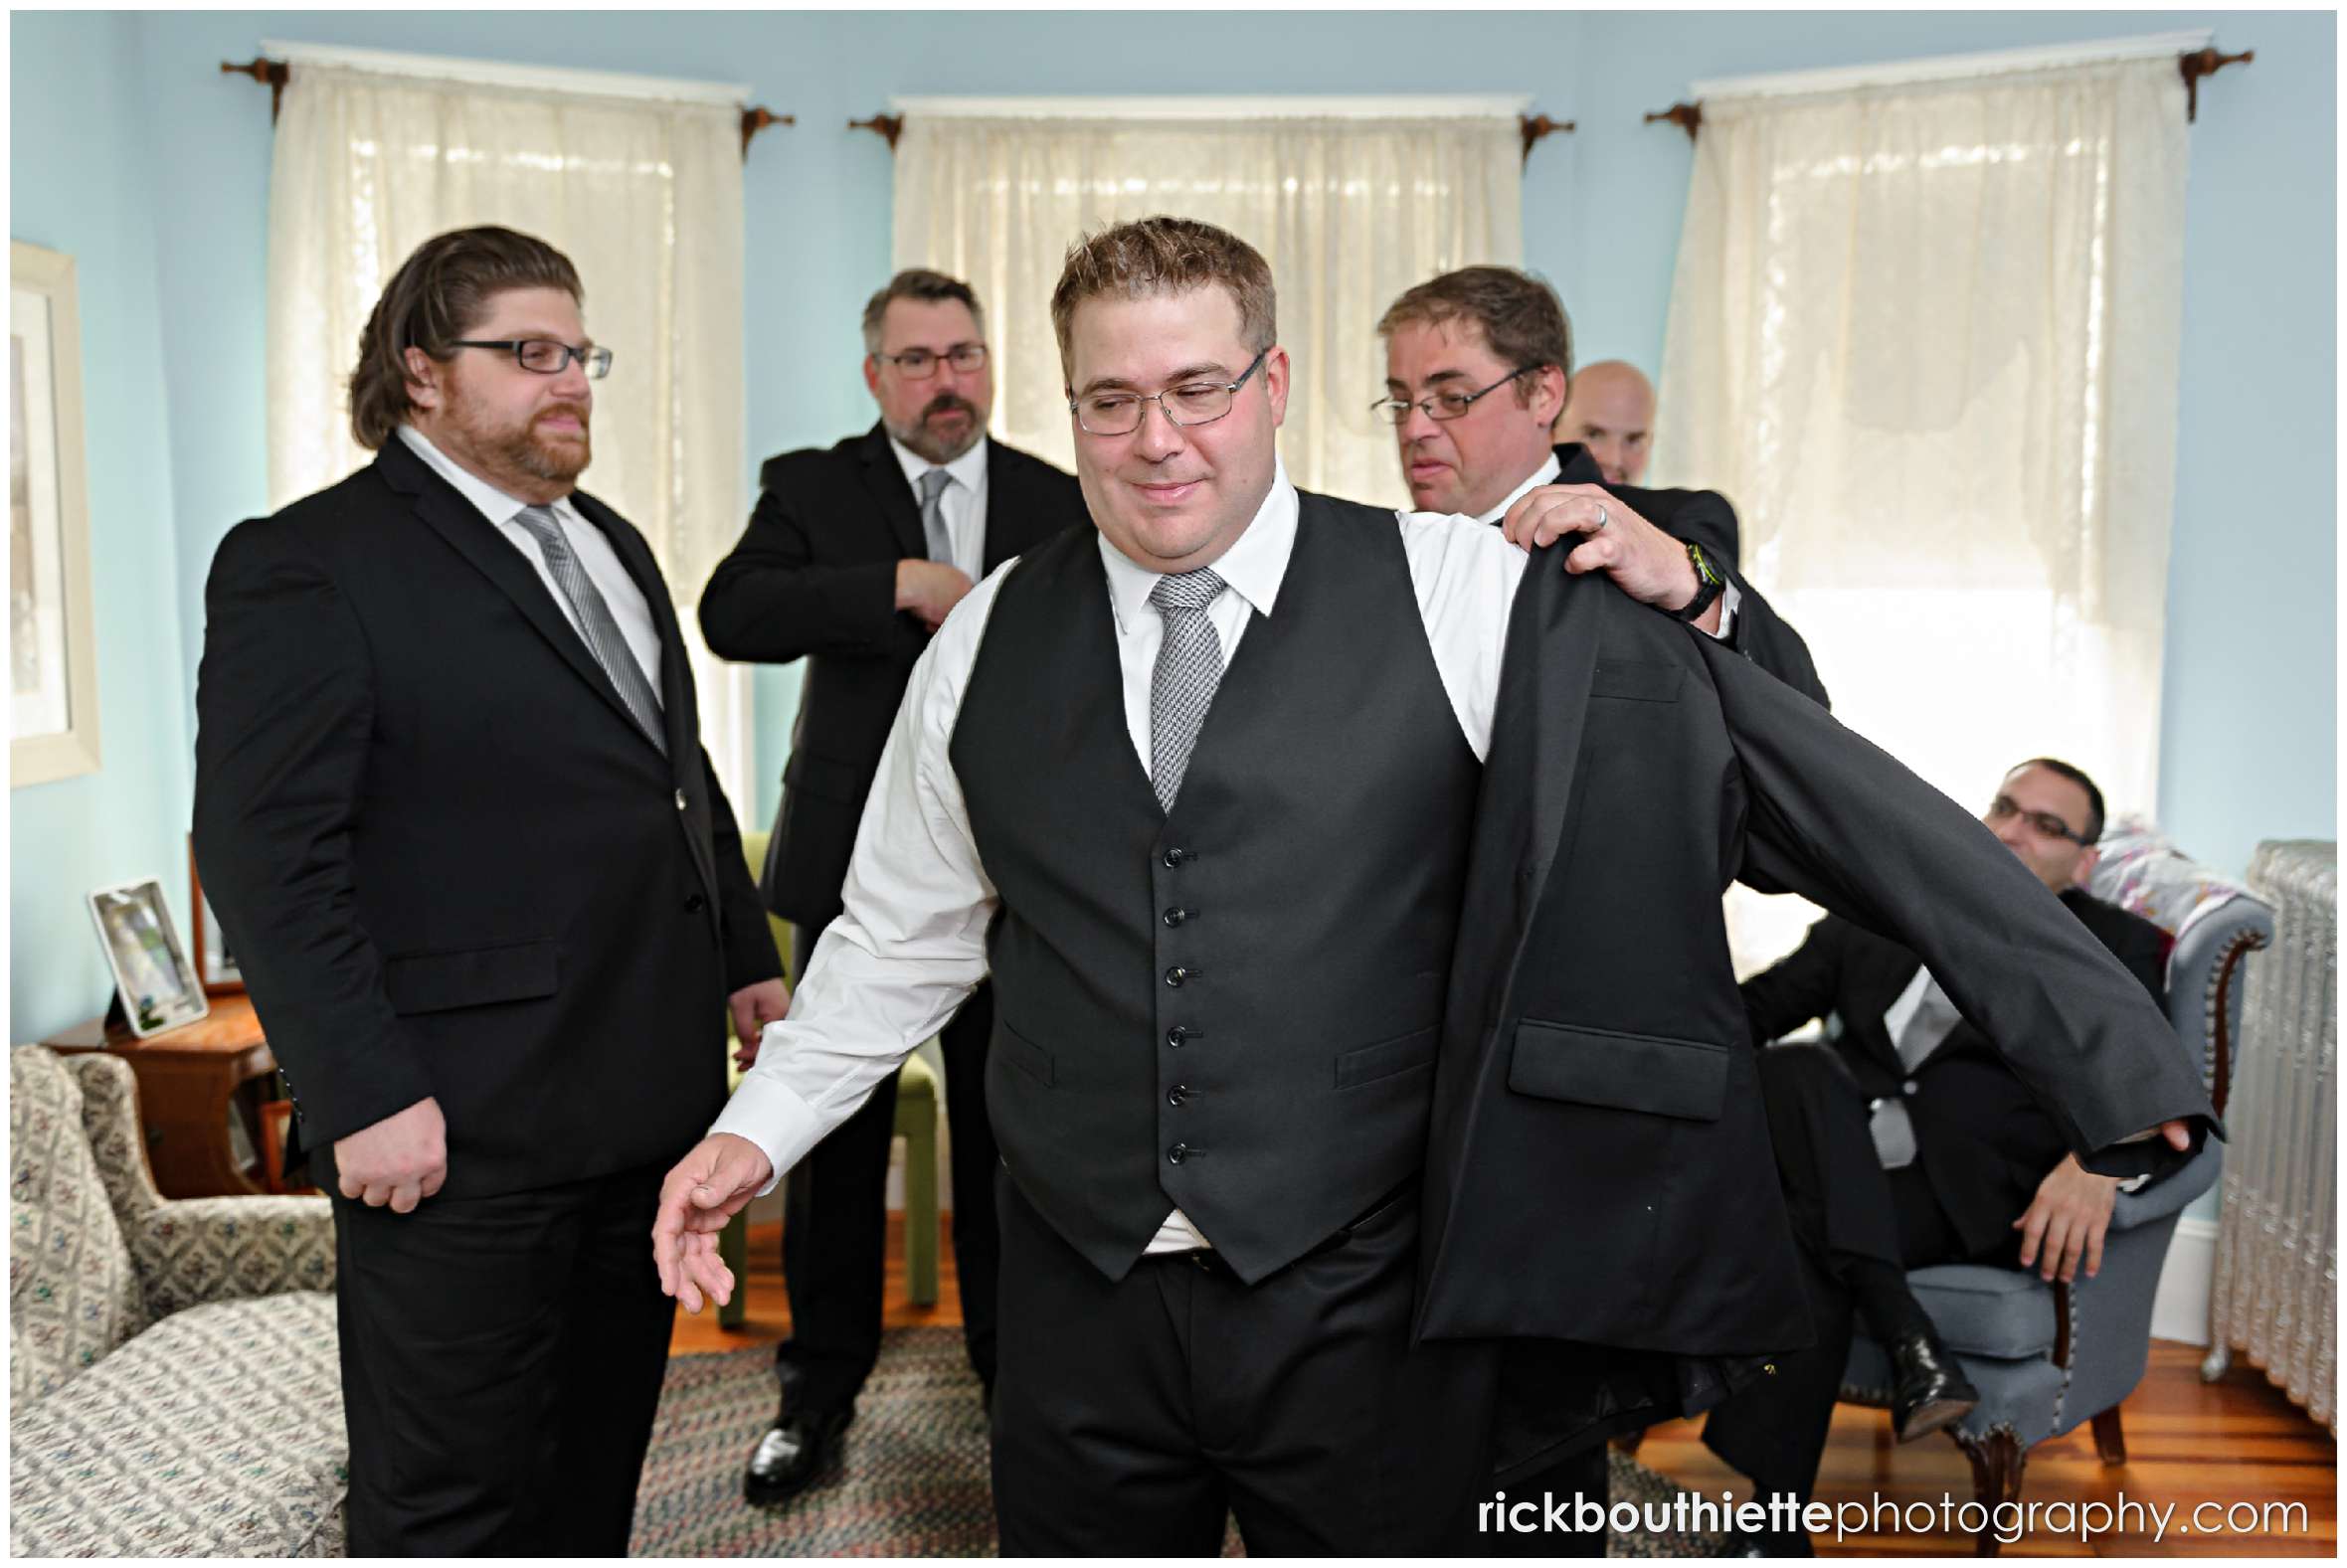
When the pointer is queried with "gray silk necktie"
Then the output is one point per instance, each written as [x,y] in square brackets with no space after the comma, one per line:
[1892,1127]
[601,631]
[1189,668]
[933,515]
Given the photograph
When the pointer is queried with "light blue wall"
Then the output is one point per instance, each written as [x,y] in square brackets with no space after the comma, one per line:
[79,184]
[2250,746]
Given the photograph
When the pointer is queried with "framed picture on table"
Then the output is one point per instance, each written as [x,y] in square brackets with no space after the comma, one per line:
[215,966]
[156,987]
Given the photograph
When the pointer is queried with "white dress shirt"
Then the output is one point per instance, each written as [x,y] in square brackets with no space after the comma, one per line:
[909,945]
[964,501]
[595,553]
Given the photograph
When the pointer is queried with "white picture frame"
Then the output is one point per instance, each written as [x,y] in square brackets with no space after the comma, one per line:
[53,647]
[158,987]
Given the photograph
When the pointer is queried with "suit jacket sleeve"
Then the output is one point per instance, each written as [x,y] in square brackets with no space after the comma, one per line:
[773,601]
[1831,817]
[285,706]
[749,954]
[1797,987]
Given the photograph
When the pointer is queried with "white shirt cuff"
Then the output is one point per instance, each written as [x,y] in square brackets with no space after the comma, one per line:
[773,1116]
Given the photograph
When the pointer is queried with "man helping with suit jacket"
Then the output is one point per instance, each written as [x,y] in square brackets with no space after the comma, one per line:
[1477,364]
[1908,1141]
[851,559]
[453,810]
[1235,798]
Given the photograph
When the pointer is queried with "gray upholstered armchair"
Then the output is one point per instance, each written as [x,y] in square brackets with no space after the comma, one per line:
[2048,1358]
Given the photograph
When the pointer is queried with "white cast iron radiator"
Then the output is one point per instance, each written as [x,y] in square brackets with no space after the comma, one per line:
[2277,1290]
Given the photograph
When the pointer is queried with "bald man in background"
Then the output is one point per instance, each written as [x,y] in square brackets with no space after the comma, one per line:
[1609,409]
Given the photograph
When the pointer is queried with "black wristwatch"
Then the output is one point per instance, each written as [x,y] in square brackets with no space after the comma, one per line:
[1708,584]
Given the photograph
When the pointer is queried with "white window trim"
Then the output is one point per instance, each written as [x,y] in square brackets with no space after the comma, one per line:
[500,73]
[1949,68]
[1287,106]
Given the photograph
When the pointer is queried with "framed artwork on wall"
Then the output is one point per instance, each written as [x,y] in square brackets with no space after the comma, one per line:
[52,642]
[156,986]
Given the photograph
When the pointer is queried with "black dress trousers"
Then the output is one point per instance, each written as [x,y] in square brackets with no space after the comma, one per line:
[1133,1416]
[835,1221]
[501,1363]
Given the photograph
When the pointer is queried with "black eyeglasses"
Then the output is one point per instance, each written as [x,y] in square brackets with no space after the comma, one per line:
[1442,404]
[919,364]
[545,356]
[2045,822]
[1193,403]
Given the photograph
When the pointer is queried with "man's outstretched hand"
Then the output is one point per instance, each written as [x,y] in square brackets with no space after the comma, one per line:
[709,1186]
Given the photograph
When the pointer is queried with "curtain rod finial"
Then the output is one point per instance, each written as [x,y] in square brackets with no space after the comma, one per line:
[1689,117]
[890,126]
[262,68]
[757,120]
[2199,63]
[1536,127]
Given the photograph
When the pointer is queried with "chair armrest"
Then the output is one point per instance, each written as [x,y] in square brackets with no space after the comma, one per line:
[195,1250]
[2162,1198]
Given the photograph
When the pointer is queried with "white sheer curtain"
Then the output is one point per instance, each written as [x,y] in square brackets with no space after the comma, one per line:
[644,194]
[1925,337]
[1349,209]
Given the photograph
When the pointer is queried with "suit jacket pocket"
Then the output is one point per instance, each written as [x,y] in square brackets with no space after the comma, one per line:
[1628,1071]
[1024,1054]
[1640,680]
[1387,1058]
[472,976]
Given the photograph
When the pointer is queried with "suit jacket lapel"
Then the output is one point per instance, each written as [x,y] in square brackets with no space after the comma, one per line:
[676,695]
[472,536]
[1550,663]
[1007,509]
[885,479]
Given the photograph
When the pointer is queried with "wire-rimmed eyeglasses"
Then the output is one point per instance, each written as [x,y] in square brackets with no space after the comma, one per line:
[1117,412]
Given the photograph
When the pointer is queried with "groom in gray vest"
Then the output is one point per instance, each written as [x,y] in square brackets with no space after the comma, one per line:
[1116,767]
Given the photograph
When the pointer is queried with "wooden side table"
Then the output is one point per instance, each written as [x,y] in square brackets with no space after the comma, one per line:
[188,1079]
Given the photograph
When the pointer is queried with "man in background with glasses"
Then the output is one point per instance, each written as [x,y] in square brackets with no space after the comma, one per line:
[452,810]
[852,557]
[1478,365]
[1212,791]
[1908,1141]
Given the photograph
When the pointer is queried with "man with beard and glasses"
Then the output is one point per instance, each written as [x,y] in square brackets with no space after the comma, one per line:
[452,810]
[852,557]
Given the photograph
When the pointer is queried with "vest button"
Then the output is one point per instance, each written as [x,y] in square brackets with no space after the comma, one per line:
[1175,857]
[696,904]
[1177,1153]
[1177,915]
[1175,976]
[1175,1036]
[680,802]
[1177,1094]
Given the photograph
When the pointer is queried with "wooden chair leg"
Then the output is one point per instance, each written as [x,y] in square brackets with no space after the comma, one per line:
[1997,1462]
[733,1249]
[2110,1439]
[1628,1442]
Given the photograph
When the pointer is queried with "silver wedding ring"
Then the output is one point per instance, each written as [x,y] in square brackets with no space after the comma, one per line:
[1601,519]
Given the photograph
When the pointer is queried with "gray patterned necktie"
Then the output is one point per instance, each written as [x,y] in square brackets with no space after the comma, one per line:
[1892,1127]
[1189,668]
[601,631]
[933,515]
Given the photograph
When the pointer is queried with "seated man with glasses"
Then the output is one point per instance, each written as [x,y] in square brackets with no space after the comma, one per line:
[1908,1141]
[1477,368]
[852,560]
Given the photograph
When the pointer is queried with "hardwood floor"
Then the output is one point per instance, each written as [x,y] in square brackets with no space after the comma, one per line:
[2234,1442]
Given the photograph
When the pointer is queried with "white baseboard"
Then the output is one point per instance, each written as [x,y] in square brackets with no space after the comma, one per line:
[2180,1309]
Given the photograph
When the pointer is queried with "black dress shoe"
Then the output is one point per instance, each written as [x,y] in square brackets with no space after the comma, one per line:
[1927,1390]
[794,1452]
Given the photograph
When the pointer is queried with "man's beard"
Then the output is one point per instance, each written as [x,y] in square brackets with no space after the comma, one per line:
[926,443]
[555,459]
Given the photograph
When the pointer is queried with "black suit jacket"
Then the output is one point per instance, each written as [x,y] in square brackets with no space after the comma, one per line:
[1984,1142]
[814,577]
[448,861]
[1703,517]
[1600,1188]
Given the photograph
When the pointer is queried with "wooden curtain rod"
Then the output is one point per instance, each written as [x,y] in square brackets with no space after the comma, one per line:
[1536,127]
[2194,64]
[277,74]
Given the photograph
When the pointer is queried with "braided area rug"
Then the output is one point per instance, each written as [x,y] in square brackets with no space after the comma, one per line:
[913,1482]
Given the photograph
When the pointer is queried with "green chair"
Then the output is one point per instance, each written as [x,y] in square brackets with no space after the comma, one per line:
[916,1123]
